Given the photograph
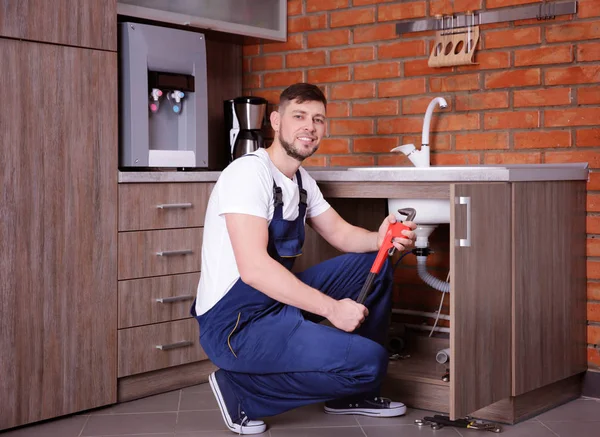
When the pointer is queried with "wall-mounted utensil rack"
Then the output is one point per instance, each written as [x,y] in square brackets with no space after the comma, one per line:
[542,11]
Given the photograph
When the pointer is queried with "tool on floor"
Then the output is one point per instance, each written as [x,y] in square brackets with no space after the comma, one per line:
[438,421]
[387,249]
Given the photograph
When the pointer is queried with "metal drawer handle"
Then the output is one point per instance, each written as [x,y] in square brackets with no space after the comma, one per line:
[465,242]
[166,347]
[174,205]
[175,252]
[174,299]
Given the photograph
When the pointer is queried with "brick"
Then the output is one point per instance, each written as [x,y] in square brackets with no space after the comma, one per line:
[572,117]
[401,11]
[272,96]
[325,5]
[593,184]
[305,59]
[251,81]
[455,158]
[479,101]
[374,144]
[353,91]
[369,2]
[329,74]
[386,126]
[329,38]
[573,75]
[592,226]
[246,65]
[588,95]
[593,205]
[593,311]
[488,61]
[374,33]
[542,97]
[512,37]
[513,78]
[593,357]
[587,138]
[588,8]
[593,291]
[461,82]
[418,105]
[437,141]
[393,160]
[503,3]
[447,7]
[544,55]
[334,146]
[455,122]
[351,127]
[513,158]
[402,49]
[352,161]
[593,335]
[338,109]
[380,70]
[482,141]
[573,31]
[282,79]
[420,67]
[251,50]
[262,63]
[593,158]
[542,140]
[294,7]
[315,161]
[294,42]
[380,107]
[352,55]
[306,23]
[352,17]
[593,247]
[511,120]
[402,87]
[588,52]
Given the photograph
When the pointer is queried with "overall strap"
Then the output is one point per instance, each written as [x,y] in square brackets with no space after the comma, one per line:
[303,196]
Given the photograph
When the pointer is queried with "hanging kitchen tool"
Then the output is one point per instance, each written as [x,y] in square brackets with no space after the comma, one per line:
[453,45]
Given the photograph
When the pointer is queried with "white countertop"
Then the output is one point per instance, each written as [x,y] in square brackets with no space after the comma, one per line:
[471,173]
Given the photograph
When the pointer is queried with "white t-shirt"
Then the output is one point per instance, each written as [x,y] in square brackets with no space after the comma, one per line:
[245,187]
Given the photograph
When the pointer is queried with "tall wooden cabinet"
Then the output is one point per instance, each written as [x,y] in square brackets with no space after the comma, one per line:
[58,214]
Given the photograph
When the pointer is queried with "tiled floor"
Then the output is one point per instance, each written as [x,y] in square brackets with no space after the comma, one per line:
[192,412]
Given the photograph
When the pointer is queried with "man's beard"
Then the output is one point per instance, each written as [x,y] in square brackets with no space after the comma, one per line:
[293,153]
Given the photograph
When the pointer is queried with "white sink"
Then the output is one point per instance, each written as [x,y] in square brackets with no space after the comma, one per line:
[429,211]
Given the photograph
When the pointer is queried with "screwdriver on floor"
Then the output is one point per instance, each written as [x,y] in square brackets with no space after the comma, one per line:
[387,249]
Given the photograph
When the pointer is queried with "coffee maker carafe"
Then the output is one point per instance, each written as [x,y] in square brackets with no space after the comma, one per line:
[244,118]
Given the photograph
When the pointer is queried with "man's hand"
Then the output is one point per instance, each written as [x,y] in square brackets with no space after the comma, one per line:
[400,244]
[347,315]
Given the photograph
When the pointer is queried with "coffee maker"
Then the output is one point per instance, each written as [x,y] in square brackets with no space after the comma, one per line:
[244,118]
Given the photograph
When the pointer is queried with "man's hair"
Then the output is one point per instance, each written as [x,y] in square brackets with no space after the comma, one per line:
[301,92]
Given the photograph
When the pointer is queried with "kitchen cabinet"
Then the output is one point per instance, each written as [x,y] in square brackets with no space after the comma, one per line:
[89,23]
[255,18]
[58,227]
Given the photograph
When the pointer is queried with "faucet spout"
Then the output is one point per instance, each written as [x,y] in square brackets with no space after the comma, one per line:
[427,122]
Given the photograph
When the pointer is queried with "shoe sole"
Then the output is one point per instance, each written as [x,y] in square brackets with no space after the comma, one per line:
[245,430]
[384,412]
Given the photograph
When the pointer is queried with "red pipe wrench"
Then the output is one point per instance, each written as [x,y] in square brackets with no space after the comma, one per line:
[387,249]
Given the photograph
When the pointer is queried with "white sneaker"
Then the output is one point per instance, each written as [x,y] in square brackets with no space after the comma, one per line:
[374,407]
[241,425]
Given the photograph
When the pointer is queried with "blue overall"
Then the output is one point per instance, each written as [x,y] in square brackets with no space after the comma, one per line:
[276,357]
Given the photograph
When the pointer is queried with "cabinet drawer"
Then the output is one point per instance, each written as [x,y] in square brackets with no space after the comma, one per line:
[140,348]
[154,300]
[162,206]
[156,253]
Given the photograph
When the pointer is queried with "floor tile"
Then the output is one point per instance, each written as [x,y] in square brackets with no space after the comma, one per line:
[408,431]
[124,424]
[579,409]
[575,429]
[211,420]
[337,431]
[309,417]
[531,428]
[162,403]
[198,401]
[200,388]
[211,434]
[407,419]
[64,427]
[145,435]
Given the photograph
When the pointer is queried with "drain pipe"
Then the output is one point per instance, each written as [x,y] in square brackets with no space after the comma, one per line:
[422,251]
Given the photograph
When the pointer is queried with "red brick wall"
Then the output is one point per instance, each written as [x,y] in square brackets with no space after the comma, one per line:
[534,97]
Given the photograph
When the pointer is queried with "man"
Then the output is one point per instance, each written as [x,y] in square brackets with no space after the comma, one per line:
[259,323]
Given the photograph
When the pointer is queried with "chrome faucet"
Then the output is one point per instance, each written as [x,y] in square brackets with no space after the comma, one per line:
[420,158]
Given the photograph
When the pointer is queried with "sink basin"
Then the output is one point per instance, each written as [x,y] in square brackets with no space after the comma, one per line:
[434,168]
[429,211]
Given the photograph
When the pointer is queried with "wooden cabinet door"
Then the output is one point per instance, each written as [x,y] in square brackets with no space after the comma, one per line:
[81,23]
[480,296]
[58,228]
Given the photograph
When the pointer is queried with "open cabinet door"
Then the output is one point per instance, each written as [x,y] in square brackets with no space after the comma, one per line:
[480,296]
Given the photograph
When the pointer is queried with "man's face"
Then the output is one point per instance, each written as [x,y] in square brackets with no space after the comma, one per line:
[301,128]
